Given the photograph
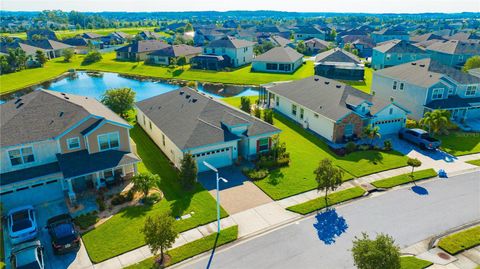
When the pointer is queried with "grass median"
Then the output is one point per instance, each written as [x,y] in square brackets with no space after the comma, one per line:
[333,198]
[404,178]
[458,242]
[474,162]
[410,262]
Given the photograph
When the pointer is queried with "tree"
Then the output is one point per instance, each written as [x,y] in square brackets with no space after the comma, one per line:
[188,171]
[181,61]
[245,104]
[67,55]
[471,63]
[413,162]
[437,120]
[333,34]
[40,57]
[257,112]
[144,182]
[5,68]
[92,57]
[160,233]
[371,133]
[268,115]
[373,254]
[328,177]
[119,100]
[188,27]
[301,47]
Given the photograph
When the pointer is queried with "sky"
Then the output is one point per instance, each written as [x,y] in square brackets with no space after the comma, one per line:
[368,6]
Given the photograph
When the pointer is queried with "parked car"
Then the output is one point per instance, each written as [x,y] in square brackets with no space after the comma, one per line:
[22,224]
[27,255]
[63,234]
[419,137]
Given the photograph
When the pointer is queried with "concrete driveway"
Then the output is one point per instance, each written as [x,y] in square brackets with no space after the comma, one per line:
[75,260]
[239,194]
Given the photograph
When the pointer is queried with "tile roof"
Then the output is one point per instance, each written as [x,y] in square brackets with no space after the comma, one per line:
[279,54]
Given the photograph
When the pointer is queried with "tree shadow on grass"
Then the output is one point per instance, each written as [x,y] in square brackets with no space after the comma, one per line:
[177,72]
[133,212]
[329,226]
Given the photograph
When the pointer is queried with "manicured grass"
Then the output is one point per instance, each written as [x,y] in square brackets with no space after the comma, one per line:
[122,233]
[460,143]
[474,162]
[410,262]
[366,85]
[461,241]
[55,67]
[192,249]
[333,198]
[62,34]
[404,178]
[306,150]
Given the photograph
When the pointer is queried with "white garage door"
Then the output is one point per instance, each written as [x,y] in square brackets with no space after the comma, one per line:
[34,195]
[218,158]
[390,126]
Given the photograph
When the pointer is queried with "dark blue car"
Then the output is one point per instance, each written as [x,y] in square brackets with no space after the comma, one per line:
[63,234]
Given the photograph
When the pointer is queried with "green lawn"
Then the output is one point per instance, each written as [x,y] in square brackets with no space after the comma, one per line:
[474,162]
[405,178]
[410,262]
[365,85]
[62,34]
[192,249]
[333,198]
[461,241]
[55,67]
[460,143]
[122,233]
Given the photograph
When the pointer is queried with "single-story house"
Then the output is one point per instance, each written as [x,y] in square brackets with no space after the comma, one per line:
[187,121]
[82,45]
[92,36]
[43,33]
[138,50]
[165,55]
[278,60]
[333,110]
[30,51]
[316,45]
[53,49]
[339,64]
[149,35]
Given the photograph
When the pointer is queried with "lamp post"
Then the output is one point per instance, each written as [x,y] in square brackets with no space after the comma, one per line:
[211,167]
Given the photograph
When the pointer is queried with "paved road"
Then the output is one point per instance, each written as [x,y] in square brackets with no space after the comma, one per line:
[404,214]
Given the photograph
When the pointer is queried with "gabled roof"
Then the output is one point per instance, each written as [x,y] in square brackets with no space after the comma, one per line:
[177,50]
[48,44]
[279,54]
[91,35]
[29,50]
[230,42]
[318,43]
[191,119]
[397,46]
[143,46]
[456,47]
[391,31]
[150,34]
[120,34]
[76,41]
[426,72]
[308,30]
[44,114]
[464,36]
[426,37]
[281,41]
[337,55]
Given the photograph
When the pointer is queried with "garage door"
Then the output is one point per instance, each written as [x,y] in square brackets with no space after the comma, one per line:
[390,126]
[34,195]
[218,158]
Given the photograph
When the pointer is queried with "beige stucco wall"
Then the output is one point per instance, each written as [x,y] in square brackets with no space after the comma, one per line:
[75,133]
[92,138]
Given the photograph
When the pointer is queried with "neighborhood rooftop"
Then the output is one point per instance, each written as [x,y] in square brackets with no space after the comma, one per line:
[230,42]
[337,55]
[456,47]
[280,55]
[144,46]
[398,46]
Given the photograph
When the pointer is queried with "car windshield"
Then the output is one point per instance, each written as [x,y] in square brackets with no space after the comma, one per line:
[32,265]
[20,215]
[427,137]
[26,258]
[22,224]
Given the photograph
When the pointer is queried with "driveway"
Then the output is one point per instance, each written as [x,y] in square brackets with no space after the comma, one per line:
[238,194]
[75,260]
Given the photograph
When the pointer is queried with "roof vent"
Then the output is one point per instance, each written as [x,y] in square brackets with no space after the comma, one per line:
[63,94]
[338,86]
[66,97]
[19,105]
[414,63]
[194,100]
[182,92]
[316,79]
[327,82]
[61,114]
[391,99]
[187,96]
[18,100]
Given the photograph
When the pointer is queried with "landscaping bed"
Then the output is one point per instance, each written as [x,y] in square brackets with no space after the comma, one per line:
[192,249]
[410,262]
[333,198]
[458,242]
[460,143]
[404,178]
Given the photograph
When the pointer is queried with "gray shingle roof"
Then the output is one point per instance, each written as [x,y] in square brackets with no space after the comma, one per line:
[49,44]
[91,35]
[143,46]
[177,50]
[454,101]
[29,50]
[426,72]
[398,46]
[391,31]
[281,41]
[318,43]
[29,173]
[280,55]
[191,119]
[43,114]
[456,47]
[426,37]
[464,36]
[337,55]
[230,42]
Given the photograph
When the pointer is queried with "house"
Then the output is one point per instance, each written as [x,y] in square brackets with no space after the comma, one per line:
[315,45]
[52,48]
[389,34]
[362,43]
[164,56]
[306,32]
[115,38]
[42,34]
[278,60]
[56,146]
[453,52]
[339,64]
[426,37]
[206,35]
[464,36]
[82,45]
[210,62]
[239,51]
[280,41]
[186,121]
[333,110]
[395,52]
[138,50]
[30,51]
[427,84]
[149,35]
[92,36]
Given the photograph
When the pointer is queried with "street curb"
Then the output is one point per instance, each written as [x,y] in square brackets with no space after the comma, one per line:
[434,240]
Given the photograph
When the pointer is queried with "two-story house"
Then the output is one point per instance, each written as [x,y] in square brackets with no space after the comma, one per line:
[389,34]
[426,84]
[453,52]
[335,111]
[239,51]
[307,32]
[138,50]
[395,52]
[56,146]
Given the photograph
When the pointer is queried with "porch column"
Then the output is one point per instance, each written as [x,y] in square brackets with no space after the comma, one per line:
[71,193]
[97,180]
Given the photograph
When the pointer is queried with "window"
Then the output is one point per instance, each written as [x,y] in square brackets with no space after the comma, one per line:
[144,122]
[437,93]
[73,143]
[263,144]
[163,139]
[401,86]
[348,130]
[272,66]
[21,156]
[388,56]
[108,141]
[213,50]
[108,173]
[460,58]
[391,111]
[399,57]
[301,113]
[394,85]
[277,102]
[294,109]
[471,91]
[451,91]
[150,123]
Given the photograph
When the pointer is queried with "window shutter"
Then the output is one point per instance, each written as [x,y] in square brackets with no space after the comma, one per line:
[269,143]
[258,145]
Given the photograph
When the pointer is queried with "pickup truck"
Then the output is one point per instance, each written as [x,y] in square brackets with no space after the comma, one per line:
[419,137]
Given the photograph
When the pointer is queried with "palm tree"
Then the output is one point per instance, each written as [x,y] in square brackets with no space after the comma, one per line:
[371,132]
[143,182]
[436,120]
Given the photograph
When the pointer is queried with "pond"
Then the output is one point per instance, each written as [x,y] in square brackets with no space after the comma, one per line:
[95,84]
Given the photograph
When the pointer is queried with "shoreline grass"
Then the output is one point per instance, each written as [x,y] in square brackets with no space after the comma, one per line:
[460,241]
[404,178]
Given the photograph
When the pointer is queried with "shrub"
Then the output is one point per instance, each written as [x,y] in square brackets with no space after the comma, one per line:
[255,174]
[92,57]
[411,123]
[152,199]
[387,145]
[101,204]
[269,163]
[245,104]
[122,198]
[86,220]
[350,147]
[364,147]
[268,116]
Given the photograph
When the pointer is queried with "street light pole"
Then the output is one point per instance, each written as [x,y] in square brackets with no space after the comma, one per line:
[211,167]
